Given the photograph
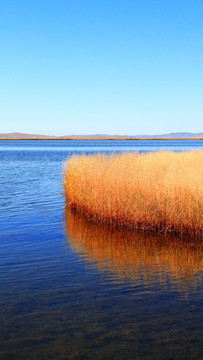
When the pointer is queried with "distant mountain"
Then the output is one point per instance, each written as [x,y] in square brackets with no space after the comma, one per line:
[180,135]
[17,135]
[173,135]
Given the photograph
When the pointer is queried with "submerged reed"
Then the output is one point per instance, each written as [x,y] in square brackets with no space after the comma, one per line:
[156,192]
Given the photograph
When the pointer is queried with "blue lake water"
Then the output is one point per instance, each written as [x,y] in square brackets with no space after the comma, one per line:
[73,290]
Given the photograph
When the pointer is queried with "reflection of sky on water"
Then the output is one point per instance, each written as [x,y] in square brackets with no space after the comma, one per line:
[100,145]
[65,298]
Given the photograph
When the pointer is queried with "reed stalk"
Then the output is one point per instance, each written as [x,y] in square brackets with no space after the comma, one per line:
[153,192]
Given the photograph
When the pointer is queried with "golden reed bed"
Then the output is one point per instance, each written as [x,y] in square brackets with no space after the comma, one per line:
[155,192]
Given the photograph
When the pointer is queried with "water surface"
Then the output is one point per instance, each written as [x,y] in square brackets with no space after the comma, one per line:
[73,290]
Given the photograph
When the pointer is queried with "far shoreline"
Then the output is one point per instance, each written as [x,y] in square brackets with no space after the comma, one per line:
[97,138]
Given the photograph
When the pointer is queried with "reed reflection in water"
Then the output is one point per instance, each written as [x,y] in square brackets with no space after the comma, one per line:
[143,258]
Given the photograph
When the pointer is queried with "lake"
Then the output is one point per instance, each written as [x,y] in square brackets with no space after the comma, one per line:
[73,290]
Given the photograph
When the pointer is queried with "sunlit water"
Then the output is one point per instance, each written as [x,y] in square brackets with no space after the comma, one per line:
[73,290]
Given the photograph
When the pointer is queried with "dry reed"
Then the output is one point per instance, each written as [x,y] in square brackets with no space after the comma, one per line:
[156,192]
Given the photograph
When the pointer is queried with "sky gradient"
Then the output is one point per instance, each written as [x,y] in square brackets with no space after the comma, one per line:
[101,67]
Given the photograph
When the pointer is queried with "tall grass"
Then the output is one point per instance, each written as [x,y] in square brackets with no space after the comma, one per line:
[156,192]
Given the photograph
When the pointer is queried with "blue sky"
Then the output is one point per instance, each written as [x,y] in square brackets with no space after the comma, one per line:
[101,66]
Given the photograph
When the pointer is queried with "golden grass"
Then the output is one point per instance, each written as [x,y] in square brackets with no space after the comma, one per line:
[156,192]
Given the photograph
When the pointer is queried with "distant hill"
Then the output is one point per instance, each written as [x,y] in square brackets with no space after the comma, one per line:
[17,135]
[173,135]
[180,135]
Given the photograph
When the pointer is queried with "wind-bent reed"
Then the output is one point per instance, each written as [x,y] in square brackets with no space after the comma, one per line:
[156,192]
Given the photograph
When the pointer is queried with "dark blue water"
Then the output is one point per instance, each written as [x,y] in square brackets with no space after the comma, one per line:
[70,290]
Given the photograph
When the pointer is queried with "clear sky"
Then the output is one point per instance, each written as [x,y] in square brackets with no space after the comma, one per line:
[101,66]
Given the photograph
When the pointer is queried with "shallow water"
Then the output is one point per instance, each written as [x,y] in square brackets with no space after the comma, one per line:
[71,290]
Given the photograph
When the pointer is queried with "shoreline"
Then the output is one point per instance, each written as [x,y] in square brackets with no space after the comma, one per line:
[97,138]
